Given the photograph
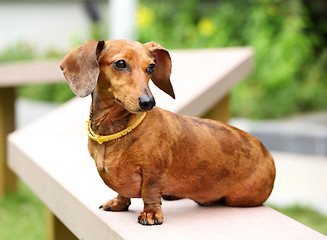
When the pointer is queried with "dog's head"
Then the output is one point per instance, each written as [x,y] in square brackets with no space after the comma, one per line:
[119,69]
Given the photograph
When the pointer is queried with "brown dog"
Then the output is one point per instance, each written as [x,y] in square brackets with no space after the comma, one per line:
[164,153]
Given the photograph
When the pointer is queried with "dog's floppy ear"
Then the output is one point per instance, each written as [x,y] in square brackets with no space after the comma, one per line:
[81,68]
[162,71]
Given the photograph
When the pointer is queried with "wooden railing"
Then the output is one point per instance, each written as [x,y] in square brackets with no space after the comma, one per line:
[13,75]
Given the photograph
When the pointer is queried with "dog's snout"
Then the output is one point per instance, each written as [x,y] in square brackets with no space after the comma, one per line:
[146,102]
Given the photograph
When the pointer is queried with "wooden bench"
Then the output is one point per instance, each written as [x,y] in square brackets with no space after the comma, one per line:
[51,157]
[13,75]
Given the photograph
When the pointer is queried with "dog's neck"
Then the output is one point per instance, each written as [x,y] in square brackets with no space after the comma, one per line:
[106,115]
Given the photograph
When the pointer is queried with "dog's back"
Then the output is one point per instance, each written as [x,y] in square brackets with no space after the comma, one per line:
[214,161]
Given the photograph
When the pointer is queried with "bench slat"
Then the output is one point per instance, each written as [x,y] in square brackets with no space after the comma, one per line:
[22,73]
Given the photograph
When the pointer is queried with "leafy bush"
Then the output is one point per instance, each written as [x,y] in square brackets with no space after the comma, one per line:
[18,52]
[288,76]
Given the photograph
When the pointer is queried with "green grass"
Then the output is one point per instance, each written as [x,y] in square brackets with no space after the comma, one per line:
[21,216]
[305,215]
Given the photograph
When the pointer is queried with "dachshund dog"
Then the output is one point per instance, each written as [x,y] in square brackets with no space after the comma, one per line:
[142,151]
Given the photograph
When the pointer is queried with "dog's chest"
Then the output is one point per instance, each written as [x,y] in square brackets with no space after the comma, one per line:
[118,173]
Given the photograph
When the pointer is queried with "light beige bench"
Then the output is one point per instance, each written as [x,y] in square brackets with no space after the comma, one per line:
[51,157]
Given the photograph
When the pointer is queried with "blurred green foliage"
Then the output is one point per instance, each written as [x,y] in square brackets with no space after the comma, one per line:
[51,92]
[289,39]
[21,215]
[17,52]
[305,215]
[23,52]
[290,58]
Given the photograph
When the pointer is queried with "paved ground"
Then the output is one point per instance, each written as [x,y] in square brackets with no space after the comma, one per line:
[27,111]
[301,178]
[303,134]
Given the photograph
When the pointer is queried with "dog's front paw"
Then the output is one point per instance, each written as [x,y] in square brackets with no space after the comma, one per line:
[117,204]
[150,218]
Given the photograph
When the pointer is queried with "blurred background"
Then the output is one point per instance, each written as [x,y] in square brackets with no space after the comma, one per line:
[289,78]
[289,39]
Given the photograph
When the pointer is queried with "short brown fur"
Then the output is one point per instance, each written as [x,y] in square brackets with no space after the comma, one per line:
[167,154]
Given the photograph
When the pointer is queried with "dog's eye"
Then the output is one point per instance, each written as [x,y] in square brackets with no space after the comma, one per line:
[120,64]
[150,68]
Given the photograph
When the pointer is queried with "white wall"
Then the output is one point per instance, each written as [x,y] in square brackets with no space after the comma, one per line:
[43,25]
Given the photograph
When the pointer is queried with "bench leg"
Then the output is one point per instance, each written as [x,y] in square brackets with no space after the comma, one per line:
[220,111]
[8,180]
[55,229]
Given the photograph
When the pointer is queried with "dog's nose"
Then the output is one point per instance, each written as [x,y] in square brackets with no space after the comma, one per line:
[146,102]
